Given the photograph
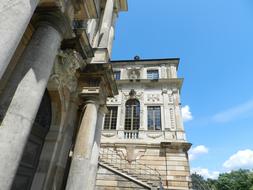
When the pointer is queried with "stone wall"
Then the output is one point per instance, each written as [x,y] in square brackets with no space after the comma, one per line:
[107,180]
[172,164]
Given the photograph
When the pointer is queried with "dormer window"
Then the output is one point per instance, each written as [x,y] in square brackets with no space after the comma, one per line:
[116,75]
[152,74]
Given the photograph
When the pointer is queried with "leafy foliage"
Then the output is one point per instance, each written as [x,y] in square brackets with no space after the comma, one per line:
[235,180]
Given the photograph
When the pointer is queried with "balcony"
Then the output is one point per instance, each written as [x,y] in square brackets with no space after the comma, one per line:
[131,134]
[139,135]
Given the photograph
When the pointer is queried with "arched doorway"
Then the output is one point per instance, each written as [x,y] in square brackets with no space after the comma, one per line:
[132,118]
[31,155]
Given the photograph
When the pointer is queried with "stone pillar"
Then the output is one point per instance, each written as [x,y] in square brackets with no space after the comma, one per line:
[27,86]
[111,34]
[79,169]
[95,150]
[15,15]
[106,24]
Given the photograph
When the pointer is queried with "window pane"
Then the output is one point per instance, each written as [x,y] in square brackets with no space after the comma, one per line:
[110,121]
[152,74]
[117,75]
[154,118]
[132,115]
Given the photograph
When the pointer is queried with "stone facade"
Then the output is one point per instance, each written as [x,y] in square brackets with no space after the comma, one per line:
[155,149]
[55,78]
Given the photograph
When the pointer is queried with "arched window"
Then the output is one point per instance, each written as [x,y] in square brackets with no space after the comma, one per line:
[132,117]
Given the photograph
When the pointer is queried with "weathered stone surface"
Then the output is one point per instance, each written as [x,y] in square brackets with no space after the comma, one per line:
[14,18]
[20,102]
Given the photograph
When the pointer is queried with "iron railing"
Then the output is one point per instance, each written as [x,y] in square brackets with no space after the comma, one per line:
[134,168]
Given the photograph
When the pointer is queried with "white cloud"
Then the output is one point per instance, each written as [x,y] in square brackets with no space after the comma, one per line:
[242,159]
[186,113]
[196,151]
[234,112]
[205,172]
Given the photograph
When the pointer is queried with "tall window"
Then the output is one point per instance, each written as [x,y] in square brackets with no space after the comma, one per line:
[154,118]
[132,118]
[117,75]
[152,74]
[111,118]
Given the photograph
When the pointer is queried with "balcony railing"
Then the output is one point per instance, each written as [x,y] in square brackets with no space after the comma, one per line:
[131,134]
[141,134]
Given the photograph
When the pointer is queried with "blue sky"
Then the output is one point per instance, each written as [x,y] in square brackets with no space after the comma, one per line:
[214,41]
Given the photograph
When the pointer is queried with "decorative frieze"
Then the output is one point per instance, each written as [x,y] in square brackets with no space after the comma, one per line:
[153,98]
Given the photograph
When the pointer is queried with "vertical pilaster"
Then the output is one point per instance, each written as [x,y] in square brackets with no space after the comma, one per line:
[166,120]
[112,34]
[79,168]
[178,117]
[106,24]
[14,18]
[95,150]
[25,91]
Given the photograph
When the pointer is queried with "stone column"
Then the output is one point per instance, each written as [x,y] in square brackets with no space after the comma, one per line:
[95,150]
[15,15]
[79,169]
[106,24]
[26,87]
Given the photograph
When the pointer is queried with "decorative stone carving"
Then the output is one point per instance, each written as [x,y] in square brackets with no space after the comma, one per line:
[130,153]
[136,95]
[114,100]
[108,134]
[153,98]
[169,92]
[64,73]
[172,119]
[133,72]
[154,135]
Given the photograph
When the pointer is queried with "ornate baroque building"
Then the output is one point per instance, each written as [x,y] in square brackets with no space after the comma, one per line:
[143,143]
[55,78]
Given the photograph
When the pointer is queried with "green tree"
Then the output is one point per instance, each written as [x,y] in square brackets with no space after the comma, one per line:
[235,180]
[198,182]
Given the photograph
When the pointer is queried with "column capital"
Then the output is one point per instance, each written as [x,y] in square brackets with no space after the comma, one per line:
[54,18]
[91,101]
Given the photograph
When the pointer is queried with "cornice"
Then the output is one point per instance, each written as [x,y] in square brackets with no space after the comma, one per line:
[175,82]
